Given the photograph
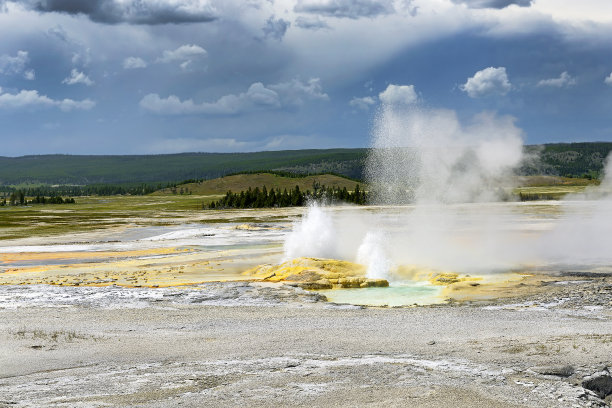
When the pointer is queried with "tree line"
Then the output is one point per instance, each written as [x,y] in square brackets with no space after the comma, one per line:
[19,198]
[88,190]
[264,198]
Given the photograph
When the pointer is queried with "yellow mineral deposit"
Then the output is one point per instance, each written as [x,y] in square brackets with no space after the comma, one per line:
[158,267]
[316,273]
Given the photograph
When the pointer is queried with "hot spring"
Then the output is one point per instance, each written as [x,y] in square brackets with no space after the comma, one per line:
[442,206]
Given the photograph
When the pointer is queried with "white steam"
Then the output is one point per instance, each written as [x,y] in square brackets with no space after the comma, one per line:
[312,236]
[448,179]
[427,156]
[372,253]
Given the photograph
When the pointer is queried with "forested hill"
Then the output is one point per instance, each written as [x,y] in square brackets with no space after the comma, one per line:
[562,159]
[567,159]
[68,169]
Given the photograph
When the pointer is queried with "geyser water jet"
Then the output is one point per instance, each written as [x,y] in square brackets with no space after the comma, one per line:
[372,253]
[426,156]
[442,186]
[312,236]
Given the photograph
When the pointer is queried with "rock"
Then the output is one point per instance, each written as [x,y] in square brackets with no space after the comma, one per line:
[350,282]
[559,371]
[317,274]
[377,283]
[431,342]
[600,383]
[316,285]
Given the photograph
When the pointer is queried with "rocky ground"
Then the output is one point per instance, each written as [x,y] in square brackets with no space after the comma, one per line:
[267,345]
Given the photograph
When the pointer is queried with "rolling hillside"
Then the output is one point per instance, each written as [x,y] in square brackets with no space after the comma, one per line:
[242,182]
[562,159]
[82,170]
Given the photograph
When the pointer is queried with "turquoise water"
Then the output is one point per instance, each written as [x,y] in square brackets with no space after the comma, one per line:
[396,295]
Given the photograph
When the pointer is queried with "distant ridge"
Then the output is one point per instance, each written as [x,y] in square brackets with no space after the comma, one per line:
[562,159]
[90,169]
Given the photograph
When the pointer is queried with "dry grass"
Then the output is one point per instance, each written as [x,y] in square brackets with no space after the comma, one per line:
[242,182]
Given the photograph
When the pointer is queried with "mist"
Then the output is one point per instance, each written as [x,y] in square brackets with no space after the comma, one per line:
[440,190]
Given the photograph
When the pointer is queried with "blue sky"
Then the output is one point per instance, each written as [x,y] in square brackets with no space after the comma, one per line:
[167,76]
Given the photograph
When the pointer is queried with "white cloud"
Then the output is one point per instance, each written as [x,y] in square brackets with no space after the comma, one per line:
[564,80]
[77,77]
[362,103]
[16,65]
[572,11]
[295,92]
[608,79]
[82,58]
[398,95]
[257,97]
[276,28]
[489,81]
[30,75]
[183,53]
[134,63]
[352,9]
[28,99]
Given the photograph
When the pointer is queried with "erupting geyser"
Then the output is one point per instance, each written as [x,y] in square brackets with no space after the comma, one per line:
[443,191]
[426,156]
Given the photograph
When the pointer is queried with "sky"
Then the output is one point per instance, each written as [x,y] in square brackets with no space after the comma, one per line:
[170,76]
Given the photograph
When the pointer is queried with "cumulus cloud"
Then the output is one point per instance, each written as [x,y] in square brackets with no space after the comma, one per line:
[497,4]
[564,80]
[77,77]
[134,63]
[398,95]
[257,97]
[353,9]
[296,92]
[311,23]
[362,103]
[16,65]
[32,99]
[489,81]
[129,11]
[608,80]
[276,28]
[82,58]
[185,54]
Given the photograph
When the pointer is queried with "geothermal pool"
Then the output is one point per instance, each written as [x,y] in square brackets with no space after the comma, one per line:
[481,242]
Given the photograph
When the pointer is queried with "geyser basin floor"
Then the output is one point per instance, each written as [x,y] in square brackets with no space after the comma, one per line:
[236,344]
[177,352]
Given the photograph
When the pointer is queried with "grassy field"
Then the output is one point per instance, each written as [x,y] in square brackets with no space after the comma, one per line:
[92,213]
[551,187]
[166,208]
[554,181]
[242,182]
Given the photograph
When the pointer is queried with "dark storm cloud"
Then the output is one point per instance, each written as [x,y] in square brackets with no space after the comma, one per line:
[352,9]
[132,12]
[497,4]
